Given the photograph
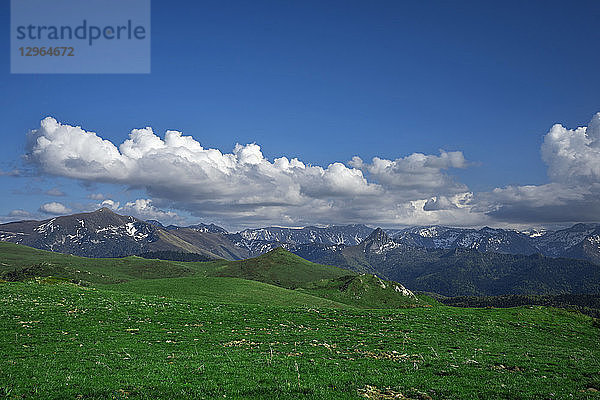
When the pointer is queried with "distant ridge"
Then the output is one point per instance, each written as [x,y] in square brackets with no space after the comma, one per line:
[349,235]
[450,261]
[580,241]
[103,233]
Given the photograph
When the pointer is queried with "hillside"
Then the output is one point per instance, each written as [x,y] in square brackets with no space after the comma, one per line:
[282,268]
[103,233]
[27,262]
[268,279]
[225,291]
[367,291]
[465,272]
[67,342]
[461,272]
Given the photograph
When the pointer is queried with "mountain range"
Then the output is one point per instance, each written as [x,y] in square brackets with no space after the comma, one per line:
[103,233]
[460,271]
[445,260]
[94,234]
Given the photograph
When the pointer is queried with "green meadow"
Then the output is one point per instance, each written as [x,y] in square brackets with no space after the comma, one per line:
[148,329]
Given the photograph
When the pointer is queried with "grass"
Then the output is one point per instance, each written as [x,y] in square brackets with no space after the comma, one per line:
[150,329]
[16,258]
[364,291]
[225,290]
[267,279]
[278,267]
[282,268]
[62,341]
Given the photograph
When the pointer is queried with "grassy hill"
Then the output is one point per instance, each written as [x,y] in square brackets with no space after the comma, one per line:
[282,268]
[65,341]
[275,278]
[365,291]
[225,290]
[28,262]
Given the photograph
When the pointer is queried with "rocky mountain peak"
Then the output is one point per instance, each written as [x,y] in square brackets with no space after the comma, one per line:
[155,223]
[378,236]
[378,242]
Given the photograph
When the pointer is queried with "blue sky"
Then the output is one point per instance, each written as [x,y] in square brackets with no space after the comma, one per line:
[325,83]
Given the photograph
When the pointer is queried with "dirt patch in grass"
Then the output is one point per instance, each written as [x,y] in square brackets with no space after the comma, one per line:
[373,392]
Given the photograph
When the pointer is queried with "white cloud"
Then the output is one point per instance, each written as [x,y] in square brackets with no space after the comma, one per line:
[418,173]
[20,214]
[573,155]
[178,167]
[243,186]
[573,195]
[96,196]
[54,208]
[108,203]
[144,209]
[55,192]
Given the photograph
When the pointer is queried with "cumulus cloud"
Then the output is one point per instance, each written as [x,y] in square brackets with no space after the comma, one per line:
[418,173]
[179,167]
[573,160]
[144,209]
[54,208]
[243,186]
[109,203]
[573,155]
